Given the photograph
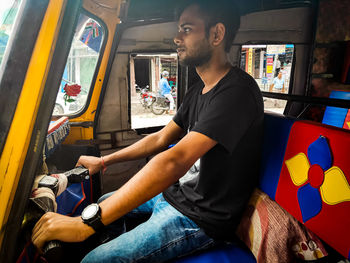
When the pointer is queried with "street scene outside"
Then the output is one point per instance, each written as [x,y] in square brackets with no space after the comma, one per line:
[143,117]
[8,12]
[81,63]
[149,107]
[270,66]
[80,67]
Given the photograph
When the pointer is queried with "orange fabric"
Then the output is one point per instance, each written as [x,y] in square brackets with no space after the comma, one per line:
[273,235]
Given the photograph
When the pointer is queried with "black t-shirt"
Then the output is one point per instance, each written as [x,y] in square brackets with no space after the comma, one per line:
[231,113]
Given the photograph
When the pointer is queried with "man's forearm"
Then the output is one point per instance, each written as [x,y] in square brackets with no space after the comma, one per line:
[161,172]
[149,145]
[141,149]
[155,177]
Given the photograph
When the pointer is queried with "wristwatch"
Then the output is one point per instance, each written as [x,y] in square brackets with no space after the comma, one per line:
[91,216]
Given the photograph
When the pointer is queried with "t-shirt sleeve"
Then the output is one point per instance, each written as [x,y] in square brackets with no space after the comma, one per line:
[228,116]
[179,117]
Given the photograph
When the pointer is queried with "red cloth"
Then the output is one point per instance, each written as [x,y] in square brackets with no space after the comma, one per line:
[273,235]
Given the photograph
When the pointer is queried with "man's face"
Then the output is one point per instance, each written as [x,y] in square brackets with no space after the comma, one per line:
[193,47]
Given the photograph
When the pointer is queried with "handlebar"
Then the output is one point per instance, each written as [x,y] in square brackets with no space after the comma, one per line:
[53,250]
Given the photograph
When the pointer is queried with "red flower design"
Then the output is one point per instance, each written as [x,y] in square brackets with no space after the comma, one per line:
[71,91]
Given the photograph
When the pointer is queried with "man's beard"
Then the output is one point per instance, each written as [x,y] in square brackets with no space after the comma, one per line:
[202,55]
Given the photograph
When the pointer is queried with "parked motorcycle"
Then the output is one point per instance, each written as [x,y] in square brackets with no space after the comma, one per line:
[162,104]
[146,97]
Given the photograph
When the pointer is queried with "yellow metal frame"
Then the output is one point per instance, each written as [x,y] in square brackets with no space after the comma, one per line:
[20,133]
[16,146]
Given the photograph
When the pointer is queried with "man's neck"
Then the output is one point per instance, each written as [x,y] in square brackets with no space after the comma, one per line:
[212,72]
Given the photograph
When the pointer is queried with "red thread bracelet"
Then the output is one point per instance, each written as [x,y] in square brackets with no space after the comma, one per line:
[104,167]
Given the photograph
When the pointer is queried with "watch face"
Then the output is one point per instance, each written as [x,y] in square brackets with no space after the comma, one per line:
[89,211]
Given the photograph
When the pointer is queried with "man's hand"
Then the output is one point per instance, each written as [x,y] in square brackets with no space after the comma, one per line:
[92,163]
[52,226]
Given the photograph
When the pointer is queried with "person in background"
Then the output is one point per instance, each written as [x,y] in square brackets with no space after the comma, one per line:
[278,83]
[165,90]
[219,122]
[287,67]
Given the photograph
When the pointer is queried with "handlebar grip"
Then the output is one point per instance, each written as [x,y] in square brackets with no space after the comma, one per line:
[53,251]
[77,174]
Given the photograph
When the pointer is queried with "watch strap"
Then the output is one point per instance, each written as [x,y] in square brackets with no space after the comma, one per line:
[96,223]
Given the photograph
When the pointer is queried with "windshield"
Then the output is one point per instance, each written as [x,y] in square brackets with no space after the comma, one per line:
[8,12]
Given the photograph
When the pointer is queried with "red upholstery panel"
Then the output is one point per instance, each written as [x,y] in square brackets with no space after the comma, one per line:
[314,181]
[347,121]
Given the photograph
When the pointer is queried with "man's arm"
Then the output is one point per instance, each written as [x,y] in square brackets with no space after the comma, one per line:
[149,145]
[162,171]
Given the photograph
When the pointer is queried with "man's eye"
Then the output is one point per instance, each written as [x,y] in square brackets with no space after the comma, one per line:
[184,30]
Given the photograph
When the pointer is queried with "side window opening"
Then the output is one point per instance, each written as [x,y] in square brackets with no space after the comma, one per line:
[8,12]
[270,66]
[80,67]
[150,106]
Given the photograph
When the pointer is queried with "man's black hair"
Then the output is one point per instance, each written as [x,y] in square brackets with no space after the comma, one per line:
[216,11]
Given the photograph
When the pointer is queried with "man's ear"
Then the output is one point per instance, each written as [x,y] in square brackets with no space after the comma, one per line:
[218,34]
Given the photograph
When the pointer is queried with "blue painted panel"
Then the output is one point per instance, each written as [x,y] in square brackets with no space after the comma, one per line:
[333,115]
[74,199]
[320,153]
[310,202]
[276,133]
[67,201]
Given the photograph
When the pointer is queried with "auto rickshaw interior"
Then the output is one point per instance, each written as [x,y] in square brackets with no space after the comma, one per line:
[109,48]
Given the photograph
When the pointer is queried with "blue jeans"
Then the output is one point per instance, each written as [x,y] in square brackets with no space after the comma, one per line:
[167,234]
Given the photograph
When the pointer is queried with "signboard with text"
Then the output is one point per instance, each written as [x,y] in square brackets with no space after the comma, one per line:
[275,49]
[250,61]
[269,67]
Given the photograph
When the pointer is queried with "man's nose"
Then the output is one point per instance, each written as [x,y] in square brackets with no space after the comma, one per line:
[177,39]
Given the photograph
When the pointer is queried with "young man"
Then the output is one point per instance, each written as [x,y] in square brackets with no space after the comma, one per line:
[223,117]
